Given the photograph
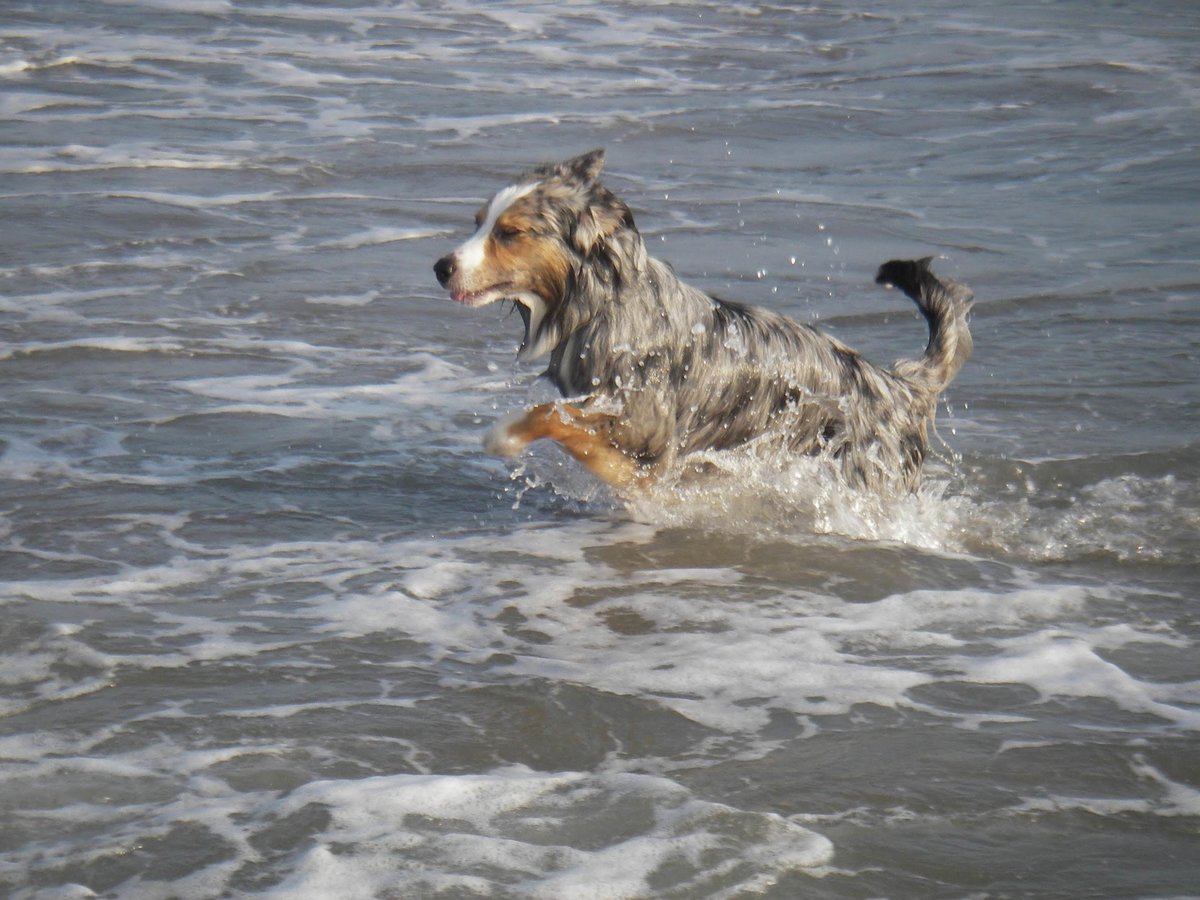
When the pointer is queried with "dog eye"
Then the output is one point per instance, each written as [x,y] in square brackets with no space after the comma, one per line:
[506,232]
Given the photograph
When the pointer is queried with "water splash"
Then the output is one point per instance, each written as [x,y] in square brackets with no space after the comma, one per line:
[994,508]
[745,492]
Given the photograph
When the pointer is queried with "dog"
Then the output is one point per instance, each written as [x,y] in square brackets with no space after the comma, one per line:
[653,370]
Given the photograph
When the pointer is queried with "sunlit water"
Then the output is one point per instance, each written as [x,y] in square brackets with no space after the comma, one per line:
[273,623]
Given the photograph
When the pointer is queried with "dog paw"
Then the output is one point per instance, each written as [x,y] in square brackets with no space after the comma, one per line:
[501,439]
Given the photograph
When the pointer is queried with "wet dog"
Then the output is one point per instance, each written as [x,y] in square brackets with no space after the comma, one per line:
[654,370]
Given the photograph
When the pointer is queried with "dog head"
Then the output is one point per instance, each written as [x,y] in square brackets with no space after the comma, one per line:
[531,242]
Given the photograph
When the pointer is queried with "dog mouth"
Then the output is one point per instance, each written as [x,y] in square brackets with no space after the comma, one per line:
[475,299]
[529,306]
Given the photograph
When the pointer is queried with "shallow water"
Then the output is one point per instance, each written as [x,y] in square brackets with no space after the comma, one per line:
[274,624]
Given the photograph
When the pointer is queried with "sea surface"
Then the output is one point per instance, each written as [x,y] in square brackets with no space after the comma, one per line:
[272,624]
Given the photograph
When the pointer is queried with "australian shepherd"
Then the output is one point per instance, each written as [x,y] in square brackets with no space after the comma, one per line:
[653,369]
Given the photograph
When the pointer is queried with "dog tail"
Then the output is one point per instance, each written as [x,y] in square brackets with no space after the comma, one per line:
[945,305]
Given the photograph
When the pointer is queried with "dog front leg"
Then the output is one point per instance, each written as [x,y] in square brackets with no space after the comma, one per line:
[587,436]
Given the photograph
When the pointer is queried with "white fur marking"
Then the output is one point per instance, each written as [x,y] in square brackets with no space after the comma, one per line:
[470,255]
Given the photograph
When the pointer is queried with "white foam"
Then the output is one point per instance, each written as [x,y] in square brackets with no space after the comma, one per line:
[553,834]
[48,306]
[289,74]
[532,23]
[467,127]
[1126,517]
[538,831]
[744,490]
[382,234]
[364,299]
[431,381]
[1178,798]
[206,7]
[1163,797]
[14,104]
[78,157]
[193,201]
[15,67]
[706,643]
[155,261]
[1061,663]
[710,659]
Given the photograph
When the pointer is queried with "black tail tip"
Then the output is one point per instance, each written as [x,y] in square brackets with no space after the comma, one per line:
[906,274]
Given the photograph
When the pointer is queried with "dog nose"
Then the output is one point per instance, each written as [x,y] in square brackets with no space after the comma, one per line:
[444,269]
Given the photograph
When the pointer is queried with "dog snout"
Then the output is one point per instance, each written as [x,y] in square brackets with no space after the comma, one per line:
[444,268]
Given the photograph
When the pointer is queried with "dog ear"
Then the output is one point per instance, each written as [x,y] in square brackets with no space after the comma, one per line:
[596,223]
[584,169]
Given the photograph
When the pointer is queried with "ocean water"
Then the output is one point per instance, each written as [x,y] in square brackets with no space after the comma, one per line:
[272,623]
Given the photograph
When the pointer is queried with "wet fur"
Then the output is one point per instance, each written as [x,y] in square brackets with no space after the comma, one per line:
[660,370]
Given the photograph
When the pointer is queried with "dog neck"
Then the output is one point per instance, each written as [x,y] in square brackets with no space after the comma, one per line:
[607,277]
[621,310]
[541,337]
